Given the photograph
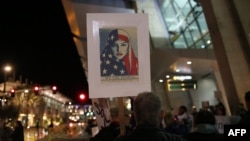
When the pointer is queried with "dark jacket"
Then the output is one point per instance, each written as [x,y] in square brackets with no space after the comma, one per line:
[245,120]
[150,133]
[109,133]
[18,134]
[205,132]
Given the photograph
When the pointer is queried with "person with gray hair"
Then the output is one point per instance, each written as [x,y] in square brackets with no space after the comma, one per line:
[147,110]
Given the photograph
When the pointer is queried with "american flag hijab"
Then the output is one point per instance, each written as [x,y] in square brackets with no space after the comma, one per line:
[110,64]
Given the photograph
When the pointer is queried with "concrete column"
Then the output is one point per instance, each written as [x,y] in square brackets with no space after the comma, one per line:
[160,90]
[228,47]
[220,93]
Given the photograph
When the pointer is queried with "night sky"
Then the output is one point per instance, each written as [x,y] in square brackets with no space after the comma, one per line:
[36,40]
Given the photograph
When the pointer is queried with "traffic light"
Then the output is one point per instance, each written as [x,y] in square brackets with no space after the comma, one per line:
[82,97]
[12,93]
[54,89]
[36,90]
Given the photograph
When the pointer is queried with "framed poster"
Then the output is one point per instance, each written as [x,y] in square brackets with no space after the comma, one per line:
[118,54]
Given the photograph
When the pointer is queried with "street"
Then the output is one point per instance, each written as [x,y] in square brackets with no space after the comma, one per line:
[31,135]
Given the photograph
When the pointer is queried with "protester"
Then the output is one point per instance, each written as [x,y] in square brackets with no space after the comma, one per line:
[18,134]
[173,125]
[220,109]
[204,128]
[246,119]
[185,120]
[241,111]
[112,131]
[147,110]
[6,132]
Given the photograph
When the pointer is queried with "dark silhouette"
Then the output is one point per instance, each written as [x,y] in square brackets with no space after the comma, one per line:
[6,132]
[246,119]
[37,127]
[241,111]
[204,128]
[220,109]
[18,134]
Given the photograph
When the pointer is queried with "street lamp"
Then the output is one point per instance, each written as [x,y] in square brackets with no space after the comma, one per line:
[6,70]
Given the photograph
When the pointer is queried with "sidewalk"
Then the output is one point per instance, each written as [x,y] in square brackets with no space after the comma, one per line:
[62,133]
[31,134]
[64,137]
[58,133]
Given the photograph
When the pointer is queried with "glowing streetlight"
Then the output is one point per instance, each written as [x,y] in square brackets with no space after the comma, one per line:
[6,70]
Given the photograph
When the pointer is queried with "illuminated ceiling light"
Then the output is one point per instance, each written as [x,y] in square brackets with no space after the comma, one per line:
[208,41]
[177,70]
[167,76]
[186,77]
[160,80]
[189,62]
[202,46]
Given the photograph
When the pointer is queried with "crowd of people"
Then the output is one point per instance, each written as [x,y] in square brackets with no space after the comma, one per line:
[153,124]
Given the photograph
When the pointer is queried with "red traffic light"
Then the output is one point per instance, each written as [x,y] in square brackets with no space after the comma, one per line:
[12,93]
[82,96]
[54,89]
[36,90]
[12,90]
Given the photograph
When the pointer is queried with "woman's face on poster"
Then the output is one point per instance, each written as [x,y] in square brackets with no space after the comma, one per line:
[120,48]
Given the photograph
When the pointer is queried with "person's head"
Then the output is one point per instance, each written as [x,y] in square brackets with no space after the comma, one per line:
[247,100]
[219,110]
[19,123]
[169,119]
[147,108]
[182,110]
[204,117]
[114,113]
[119,41]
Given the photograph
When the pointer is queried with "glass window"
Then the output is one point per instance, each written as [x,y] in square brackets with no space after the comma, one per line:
[171,20]
[200,44]
[180,3]
[188,37]
[207,39]
[192,3]
[202,22]
[186,23]
[180,42]
[194,30]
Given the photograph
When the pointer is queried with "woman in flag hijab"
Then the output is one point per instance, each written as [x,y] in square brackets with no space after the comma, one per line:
[118,57]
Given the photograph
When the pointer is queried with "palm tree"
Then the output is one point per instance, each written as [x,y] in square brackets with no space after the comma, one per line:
[28,102]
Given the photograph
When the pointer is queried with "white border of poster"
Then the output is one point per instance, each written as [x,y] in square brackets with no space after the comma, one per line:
[98,26]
